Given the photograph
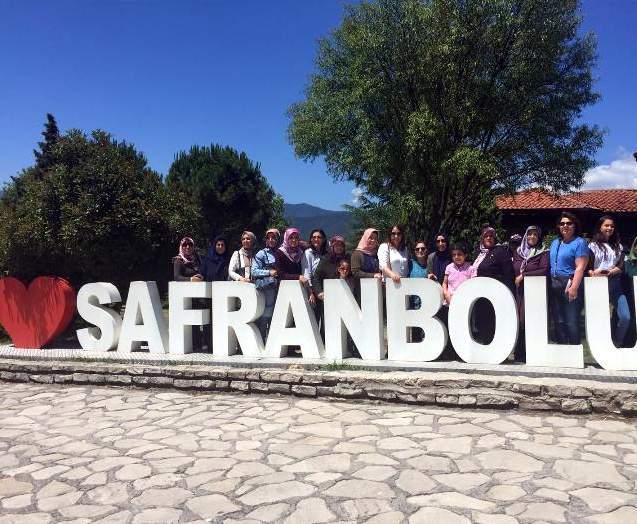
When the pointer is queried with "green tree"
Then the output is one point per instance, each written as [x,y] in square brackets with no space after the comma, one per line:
[433,107]
[228,189]
[99,214]
[44,157]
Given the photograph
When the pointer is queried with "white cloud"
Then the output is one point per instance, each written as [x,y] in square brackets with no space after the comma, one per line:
[619,174]
[356,196]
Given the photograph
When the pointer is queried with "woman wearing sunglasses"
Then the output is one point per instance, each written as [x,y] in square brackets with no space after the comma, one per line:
[569,256]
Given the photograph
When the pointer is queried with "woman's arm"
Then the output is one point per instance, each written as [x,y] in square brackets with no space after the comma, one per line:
[234,266]
[580,268]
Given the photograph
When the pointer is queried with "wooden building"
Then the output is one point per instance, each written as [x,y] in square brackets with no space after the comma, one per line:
[534,206]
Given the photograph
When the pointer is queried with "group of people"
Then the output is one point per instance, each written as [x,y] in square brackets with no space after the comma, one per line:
[566,261]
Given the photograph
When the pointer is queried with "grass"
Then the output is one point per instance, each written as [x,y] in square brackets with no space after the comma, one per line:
[338,366]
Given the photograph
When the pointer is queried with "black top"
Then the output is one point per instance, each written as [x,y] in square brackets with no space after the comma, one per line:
[326,269]
[497,264]
[214,270]
[182,271]
[286,268]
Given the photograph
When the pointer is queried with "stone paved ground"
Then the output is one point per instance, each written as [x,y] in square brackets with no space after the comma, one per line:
[88,454]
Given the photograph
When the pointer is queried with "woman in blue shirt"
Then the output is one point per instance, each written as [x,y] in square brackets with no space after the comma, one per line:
[569,257]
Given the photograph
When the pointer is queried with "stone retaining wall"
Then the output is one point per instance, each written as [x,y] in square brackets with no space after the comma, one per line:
[449,389]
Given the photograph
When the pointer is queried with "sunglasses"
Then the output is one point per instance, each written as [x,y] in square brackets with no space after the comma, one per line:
[441,241]
[420,249]
[562,224]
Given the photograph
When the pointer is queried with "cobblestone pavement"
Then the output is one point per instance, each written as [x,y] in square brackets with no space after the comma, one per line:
[89,454]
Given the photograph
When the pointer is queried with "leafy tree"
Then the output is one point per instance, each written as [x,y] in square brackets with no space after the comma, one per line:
[228,189]
[99,214]
[433,107]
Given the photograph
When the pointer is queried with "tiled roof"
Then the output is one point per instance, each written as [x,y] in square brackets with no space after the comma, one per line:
[606,200]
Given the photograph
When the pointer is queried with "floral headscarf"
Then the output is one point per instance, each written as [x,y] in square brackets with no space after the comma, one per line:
[483,249]
[182,251]
[334,258]
[525,250]
[294,254]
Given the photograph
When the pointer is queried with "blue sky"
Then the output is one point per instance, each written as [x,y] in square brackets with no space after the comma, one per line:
[167,75]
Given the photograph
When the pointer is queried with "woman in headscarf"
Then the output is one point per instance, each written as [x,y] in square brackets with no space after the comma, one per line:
[241,261]
[187,265]
[364,262]
[264,275]
[215,265]
[328,265]
[607,261]
[288,257]
[531,259]
[439,258]
[493,261]
[187,268]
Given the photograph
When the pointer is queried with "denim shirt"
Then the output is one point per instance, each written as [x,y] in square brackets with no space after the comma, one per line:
[261,265]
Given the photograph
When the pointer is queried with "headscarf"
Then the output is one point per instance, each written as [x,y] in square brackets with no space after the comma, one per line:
[323,249]
[249,253]
[217,262]
[334,258]
[525,250]
[276,232]
[441,259]
[631,255]
[182,252]
[294,254]
[362,244]
[483,249]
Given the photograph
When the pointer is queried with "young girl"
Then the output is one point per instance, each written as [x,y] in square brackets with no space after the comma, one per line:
[345,273]
[457,272]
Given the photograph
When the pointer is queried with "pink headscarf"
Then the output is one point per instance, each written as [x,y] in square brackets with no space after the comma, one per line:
[294,254]
[182,251]
[362,244]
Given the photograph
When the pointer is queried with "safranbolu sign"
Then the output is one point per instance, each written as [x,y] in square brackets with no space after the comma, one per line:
[234,307]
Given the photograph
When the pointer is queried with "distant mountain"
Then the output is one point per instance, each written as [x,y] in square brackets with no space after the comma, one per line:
[306,217]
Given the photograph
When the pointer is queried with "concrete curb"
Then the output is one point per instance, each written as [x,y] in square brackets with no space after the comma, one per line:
[441,388]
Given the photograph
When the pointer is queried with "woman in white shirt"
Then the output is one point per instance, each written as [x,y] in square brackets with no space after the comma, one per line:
[393,256]
[241,261]
[607,261]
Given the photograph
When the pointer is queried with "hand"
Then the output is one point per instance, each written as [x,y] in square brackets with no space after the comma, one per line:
[571,293]
[448,298]
[312,298]
[321,296]
[518,280]
[196,278]
[378,276]
[395,278]
[273,273]
[303,280]
[431,276]
[244,279]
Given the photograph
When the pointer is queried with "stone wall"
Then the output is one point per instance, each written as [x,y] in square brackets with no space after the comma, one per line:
[442,388]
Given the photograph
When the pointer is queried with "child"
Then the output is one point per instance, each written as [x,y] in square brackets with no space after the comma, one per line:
[345,273]
[457,272]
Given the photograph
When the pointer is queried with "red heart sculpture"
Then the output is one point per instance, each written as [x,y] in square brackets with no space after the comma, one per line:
[35,316]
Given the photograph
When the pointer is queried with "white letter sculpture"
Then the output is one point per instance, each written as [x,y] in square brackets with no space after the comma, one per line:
[538,350]
[143,320]
[90,300]
[598,332]
[506,324]
[292,308]
[364,324]
[400,320]
[181,318]
[232,325]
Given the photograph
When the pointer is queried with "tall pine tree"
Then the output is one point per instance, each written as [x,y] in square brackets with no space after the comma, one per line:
[44,156]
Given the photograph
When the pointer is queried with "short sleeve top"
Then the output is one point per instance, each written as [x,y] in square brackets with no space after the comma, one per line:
[564,254]
[604,256]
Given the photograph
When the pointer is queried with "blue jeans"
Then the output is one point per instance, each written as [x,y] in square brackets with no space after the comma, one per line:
[620,303]
[263,322]
[566,314]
